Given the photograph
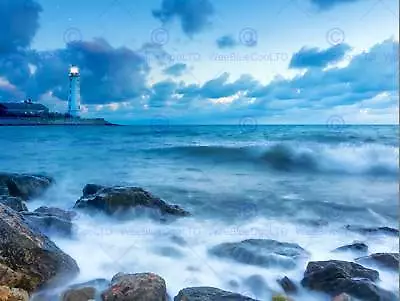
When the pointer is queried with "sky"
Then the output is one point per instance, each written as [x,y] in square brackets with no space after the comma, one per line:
[206,61]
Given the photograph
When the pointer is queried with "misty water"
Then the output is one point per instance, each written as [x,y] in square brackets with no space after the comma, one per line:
[300,184]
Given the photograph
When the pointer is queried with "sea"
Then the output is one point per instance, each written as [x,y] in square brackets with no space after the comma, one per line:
[292,183]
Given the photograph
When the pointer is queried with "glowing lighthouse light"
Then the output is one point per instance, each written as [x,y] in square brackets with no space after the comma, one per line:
[74,98]
[74,70]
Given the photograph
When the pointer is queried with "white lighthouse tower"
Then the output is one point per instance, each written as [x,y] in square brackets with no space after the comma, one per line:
[74,98]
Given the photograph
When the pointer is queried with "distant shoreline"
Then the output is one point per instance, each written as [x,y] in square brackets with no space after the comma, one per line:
[30,125]
[54,122]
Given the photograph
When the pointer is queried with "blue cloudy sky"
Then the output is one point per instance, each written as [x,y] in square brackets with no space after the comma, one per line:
[206,61]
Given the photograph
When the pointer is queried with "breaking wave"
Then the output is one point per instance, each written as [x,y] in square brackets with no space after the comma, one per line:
[376,159]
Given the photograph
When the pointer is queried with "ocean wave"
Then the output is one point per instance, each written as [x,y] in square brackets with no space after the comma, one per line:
[368,159]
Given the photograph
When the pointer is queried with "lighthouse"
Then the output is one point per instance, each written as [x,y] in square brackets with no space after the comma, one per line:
[74,98]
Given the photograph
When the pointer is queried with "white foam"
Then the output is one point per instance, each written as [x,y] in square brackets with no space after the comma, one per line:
[104,247]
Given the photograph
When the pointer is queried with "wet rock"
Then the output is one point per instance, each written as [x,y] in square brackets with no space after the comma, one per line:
[373,230]
[118,199]
[57,212]
[385,260]
[48,224]
[138,287]
[261,252]
[209,294]
[335,277]
[24,186]
[13,294]
[287,285]
[28,258]
[90,189]
[14,203]
[356,247]
[351,269]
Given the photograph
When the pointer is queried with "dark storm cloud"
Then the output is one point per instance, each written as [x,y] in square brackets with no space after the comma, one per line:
[226,41]
[108,74]
[176,69]
[19,21]
[315,57]
[328,4]
[194,15]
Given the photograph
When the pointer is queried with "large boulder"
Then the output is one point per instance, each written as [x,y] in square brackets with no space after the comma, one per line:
[119,199]
[335,277]
[48,224]
[138,287]
[385,260]
[209,294]
[25,186]
[14,203]
[29,260]
[373,230]
[261,252]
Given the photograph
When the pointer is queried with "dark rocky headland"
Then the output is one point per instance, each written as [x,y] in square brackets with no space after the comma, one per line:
[33,267]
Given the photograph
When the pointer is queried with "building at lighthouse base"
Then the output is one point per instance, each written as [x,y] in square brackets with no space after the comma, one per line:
[29,113]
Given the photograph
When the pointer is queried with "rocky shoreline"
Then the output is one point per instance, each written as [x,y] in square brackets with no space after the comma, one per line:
[32,267]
